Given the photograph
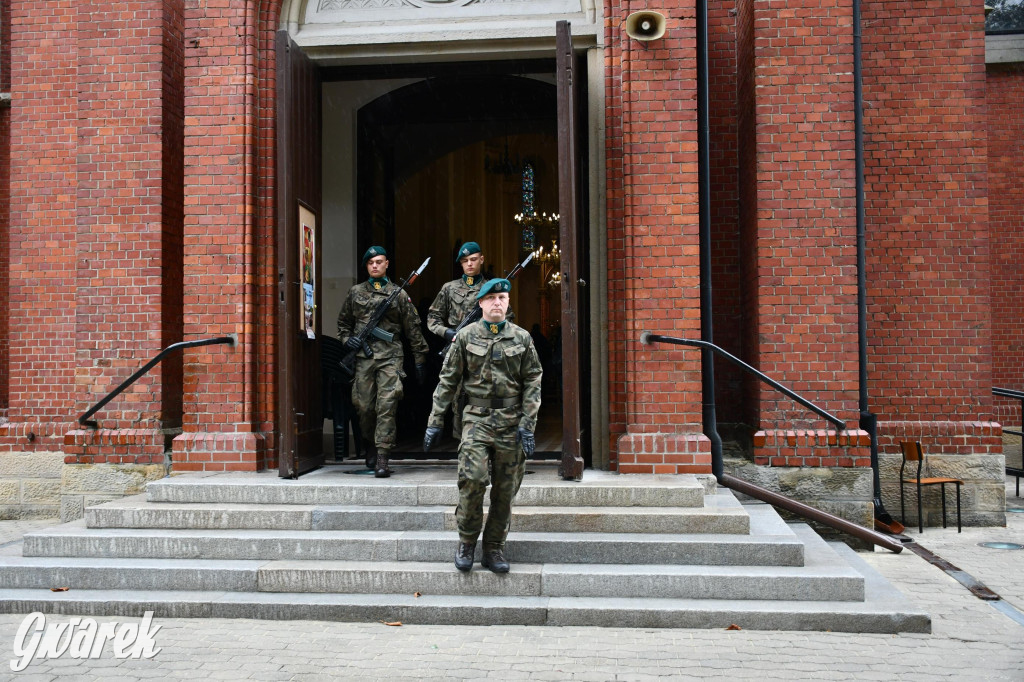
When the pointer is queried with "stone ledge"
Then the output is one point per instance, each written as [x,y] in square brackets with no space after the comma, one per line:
[664,453]
[812,448]
[22,465]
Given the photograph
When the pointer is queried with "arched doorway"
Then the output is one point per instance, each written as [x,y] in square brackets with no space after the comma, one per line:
[437,168]
[445,144]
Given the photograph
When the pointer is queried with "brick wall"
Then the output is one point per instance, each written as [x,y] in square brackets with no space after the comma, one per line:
[802,251]
[228,224]
[615,207]
[105,272]
[725,236]
[96,200]
[5,197]
[746,167]
[43,181]
[653,244]
[119,212]
[1004,91]
[172,205]
[266,226]
[927,226]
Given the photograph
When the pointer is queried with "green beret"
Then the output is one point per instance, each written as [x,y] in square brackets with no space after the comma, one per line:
[494,286]
[374,251]
[467,249]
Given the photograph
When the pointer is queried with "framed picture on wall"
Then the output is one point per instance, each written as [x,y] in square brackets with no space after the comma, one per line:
[307,271]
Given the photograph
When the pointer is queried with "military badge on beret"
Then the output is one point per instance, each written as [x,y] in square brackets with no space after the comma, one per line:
[467,249]
[494,286]
[373,251]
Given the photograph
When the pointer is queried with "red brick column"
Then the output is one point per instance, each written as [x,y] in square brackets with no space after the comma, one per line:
[1004,89]
[653,246]
[801,232]
[221,429]
[929,308]
[5,198]
[128,218]
[725,235]
[95,221]
[43,177]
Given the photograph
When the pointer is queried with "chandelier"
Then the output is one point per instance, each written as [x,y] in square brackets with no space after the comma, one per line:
[504,165]
[533,227]
[549,261]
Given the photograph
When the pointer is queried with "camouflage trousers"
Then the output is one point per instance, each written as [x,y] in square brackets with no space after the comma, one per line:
[376,390]
[483,442]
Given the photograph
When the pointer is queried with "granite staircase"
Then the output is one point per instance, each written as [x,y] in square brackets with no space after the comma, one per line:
[610,550]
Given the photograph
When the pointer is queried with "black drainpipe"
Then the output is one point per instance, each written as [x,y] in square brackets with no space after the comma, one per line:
[707,358]
[868,419]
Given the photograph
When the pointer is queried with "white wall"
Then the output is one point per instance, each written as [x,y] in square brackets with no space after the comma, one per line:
[341,102]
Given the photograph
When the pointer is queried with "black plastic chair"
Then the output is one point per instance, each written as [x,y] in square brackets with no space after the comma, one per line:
[337,397]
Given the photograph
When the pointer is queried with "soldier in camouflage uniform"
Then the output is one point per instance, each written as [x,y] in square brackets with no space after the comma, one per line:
[458,296]
[377,384]
[453,302]
[501,375]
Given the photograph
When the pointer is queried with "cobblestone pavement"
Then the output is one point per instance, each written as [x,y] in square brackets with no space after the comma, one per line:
[971,640]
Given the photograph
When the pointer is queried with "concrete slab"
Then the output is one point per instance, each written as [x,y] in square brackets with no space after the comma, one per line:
[427,485]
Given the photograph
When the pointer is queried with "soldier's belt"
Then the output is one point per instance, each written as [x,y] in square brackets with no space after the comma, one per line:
[493,403]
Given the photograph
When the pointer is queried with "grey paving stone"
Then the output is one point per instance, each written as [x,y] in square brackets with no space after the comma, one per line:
[968,635]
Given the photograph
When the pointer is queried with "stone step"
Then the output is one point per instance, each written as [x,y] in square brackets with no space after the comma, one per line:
[720,513]
[884,609]
[428,485]
[824,577]
[773,543]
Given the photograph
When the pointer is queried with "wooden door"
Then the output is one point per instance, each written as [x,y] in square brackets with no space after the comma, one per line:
[568,87]
[299,413]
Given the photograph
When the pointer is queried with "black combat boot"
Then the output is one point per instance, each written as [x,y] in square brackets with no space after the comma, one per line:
[370,450]
[382,471]
[495,560]
[464,556]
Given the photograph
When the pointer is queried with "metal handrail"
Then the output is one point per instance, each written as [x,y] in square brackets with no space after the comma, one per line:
[1016,472]
[1017,395]
[1008,393]
[181,345]
[800,509]
[771,497]
[648,337]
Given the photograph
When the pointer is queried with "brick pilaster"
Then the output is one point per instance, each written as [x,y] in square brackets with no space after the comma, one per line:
[221,429]
[1004,92]
[800,232]
[929,306]
[653,248]
[43,179]
[5,200]
[128,218]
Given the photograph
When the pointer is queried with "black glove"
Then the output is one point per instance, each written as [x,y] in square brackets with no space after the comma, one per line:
[449,334]
[431,437]
[526,438]
[421,374]
[353,344]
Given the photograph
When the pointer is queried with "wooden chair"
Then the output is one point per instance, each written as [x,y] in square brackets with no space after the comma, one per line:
[912,453]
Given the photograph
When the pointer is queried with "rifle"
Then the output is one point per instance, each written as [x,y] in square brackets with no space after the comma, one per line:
[477,312]
[348,361]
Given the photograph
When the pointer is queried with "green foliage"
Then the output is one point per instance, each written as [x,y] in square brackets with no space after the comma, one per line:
[1007,15]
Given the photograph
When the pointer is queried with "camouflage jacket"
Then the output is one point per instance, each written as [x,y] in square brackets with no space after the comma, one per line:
[401,320]
[453,302]
[492,366]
